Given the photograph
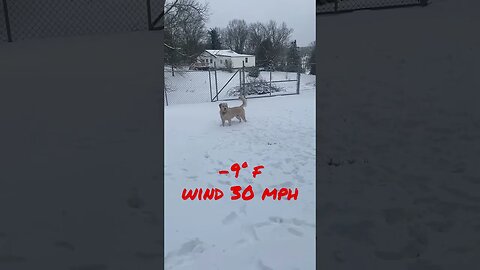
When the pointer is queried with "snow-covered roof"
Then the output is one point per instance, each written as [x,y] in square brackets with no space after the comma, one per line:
[227,53]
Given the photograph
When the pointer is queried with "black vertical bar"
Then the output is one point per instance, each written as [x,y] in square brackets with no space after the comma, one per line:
[149,15]
[7,20]
[336,5]
[298,82]
[166,96]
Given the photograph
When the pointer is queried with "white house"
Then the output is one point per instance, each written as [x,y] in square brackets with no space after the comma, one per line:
[222,57]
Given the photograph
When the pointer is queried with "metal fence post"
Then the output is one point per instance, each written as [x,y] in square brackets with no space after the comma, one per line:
[243,75]
[216,79]
[298,82]
[7,21]
[270,84]
[336,5]
[210,82]
[240,79]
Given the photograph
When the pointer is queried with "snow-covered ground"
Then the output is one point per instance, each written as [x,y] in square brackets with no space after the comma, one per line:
[399,117]
[186,87]
[256,234]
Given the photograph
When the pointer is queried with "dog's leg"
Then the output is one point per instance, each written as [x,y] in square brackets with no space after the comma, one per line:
[230,122]
[239,118]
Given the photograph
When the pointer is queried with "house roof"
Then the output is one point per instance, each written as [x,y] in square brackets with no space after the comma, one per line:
[227,53]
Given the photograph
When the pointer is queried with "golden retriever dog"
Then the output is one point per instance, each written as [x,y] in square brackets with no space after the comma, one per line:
[227,114]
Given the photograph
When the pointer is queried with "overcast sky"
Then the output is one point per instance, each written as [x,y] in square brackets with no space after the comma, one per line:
[297,14]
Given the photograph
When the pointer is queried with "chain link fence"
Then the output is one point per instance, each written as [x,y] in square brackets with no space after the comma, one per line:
[339,6]
[183,86]
[32,19]
[187,86]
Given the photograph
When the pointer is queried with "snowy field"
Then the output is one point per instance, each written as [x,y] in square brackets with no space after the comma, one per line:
[187,87]
[399,137]
[234,235]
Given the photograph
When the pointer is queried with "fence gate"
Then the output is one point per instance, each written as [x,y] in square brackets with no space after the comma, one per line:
[187,86]
[235,85]
[268,83]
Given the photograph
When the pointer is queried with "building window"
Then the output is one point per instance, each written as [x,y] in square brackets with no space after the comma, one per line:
[211,61]
[246,59]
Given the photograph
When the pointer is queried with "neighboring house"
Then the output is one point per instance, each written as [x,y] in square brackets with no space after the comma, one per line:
[222,57]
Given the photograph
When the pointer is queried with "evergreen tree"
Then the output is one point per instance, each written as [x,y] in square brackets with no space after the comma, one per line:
[263,55]
[215,43]
[293,58]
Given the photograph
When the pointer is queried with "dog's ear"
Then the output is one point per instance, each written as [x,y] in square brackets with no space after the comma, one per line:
[220,105]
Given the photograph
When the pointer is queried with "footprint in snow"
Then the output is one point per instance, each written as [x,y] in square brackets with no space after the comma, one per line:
[262,266]
[276,219]
[229,219]
[192,246]
[251,232]
[295,232]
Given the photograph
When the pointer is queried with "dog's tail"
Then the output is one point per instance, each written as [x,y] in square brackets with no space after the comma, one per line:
[244,101]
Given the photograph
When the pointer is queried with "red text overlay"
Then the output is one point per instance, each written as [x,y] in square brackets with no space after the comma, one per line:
[238,192]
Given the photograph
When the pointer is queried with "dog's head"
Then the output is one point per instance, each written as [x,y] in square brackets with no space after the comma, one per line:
[223,107]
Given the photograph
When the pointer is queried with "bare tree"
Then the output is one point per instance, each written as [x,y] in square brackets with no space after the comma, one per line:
[235,35]
[279,36]
[185,31]
[256,34]
[176,10]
